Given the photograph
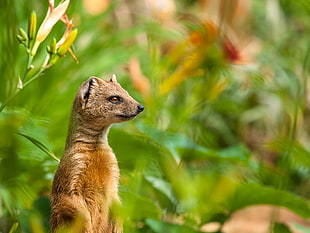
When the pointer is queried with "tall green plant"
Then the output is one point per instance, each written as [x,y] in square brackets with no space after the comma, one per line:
[33,38]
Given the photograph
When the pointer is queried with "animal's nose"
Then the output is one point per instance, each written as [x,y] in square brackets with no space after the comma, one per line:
[140,108]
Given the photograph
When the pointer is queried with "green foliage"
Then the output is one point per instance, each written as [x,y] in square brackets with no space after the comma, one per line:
[280,228]
[302,228]
[40,146]
[254,194]
[222,129]
[159,226]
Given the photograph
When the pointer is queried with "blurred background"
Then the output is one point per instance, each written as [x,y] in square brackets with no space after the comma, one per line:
[223,144]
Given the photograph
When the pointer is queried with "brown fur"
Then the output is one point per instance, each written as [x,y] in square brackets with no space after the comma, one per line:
[86,182]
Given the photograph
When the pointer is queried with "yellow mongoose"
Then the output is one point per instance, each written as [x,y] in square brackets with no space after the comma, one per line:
[86,181]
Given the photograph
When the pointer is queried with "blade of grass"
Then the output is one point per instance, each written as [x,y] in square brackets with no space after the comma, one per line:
[40,146]
[14,227]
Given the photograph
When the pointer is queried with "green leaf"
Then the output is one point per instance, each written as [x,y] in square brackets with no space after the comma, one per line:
[239,152]
[301,228]
[280,228]
[41,146]
[14,227]
[162,186]
[159,227]
[130,143]
[6,199]
[15,194]
[170,141]
[297,153]
[255,194]
[180,145]
[146,207]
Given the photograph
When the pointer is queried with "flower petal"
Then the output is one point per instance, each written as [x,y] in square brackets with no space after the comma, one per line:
[52,17]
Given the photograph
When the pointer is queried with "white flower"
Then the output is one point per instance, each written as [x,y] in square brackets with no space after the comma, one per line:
[52,17]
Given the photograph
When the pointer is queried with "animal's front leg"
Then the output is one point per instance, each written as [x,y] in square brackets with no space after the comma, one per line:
[117,222]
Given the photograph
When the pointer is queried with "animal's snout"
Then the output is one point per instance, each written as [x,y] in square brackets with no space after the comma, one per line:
[140,108]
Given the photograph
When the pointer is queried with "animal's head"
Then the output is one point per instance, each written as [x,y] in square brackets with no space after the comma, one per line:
[105,102]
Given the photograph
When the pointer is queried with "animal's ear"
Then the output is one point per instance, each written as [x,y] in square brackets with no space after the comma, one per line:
[113,79]
[85,90]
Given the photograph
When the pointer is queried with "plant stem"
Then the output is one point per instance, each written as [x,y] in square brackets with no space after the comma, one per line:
[34,77]
[44,67]
[19,89]
[28,66]
[8,100]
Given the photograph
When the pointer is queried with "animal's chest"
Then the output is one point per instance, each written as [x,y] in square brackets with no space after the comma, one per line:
[101,174]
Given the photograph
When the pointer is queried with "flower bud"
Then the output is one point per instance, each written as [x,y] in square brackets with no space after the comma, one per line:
[20,84]
[23,34]
[53,46]
[53,60]
[67,43]
[32,25]
[20,39]
[51,49]
[48,49]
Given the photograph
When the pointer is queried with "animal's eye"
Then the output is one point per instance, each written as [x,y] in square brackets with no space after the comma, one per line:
[115,99]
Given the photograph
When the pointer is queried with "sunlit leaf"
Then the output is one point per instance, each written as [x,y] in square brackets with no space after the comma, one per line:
[6,199]
[255,194]
[41,146]
[295,151]
[14,227]
[181,146]
[160,227]
[239,152]
[147,208]
[162,186]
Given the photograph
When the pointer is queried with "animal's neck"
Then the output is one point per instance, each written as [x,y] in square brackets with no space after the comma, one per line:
[88,134]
